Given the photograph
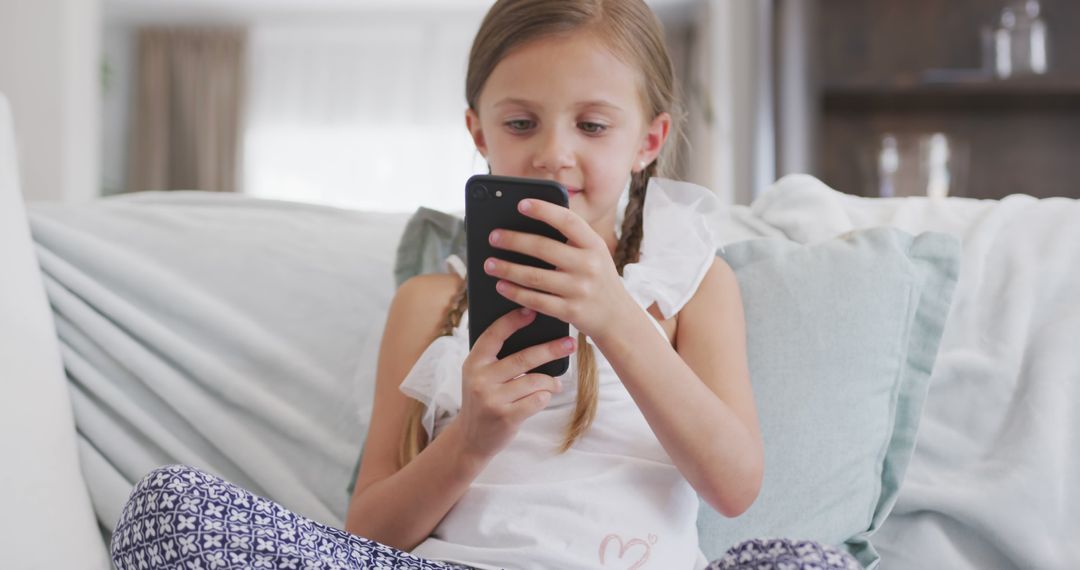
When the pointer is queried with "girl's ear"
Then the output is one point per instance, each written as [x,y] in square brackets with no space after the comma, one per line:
[472,122]
[655,136]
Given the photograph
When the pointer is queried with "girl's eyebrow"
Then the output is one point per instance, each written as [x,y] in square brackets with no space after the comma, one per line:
[515,101]
[583,104]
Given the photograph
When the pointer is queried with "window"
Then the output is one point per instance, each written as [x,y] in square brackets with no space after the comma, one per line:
[367,114]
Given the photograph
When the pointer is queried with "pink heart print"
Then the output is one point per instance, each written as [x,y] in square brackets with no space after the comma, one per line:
[624,547]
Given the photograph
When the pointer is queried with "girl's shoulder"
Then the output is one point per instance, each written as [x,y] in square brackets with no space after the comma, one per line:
[679,245]
[429,288]
[426,298]
[439,285]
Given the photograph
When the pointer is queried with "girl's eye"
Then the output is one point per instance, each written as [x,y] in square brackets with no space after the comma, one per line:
[592,128]
[519,125]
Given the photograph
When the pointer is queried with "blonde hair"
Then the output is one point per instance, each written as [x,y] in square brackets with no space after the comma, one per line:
[633,33]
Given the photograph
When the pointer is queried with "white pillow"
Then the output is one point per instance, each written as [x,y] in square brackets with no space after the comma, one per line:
[47,520]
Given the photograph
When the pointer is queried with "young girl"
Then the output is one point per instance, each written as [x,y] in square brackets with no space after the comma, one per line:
[471,460]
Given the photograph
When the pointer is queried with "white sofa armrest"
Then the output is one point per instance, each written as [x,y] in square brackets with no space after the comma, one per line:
[47,517]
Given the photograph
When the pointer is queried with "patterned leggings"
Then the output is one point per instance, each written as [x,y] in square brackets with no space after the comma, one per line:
[179,517]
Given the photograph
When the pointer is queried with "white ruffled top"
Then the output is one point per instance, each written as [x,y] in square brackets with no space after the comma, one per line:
[614,498]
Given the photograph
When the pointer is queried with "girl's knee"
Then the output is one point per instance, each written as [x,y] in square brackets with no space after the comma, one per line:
[177,478]
[160,493]
[157,478]
[784,552]
[145,498]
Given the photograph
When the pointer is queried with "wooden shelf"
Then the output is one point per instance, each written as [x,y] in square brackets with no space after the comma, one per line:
[976,94]
[912,66]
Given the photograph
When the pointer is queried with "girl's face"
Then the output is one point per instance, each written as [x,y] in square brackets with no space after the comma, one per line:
[565,108]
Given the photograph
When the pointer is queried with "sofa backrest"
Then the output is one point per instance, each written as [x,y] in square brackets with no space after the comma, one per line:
[41,484]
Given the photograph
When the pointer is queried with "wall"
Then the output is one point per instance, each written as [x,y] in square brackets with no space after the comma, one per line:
[50,71]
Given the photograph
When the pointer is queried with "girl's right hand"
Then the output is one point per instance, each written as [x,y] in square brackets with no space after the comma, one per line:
[498,395]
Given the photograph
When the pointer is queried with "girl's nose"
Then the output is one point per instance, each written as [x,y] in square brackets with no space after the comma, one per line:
[554,151]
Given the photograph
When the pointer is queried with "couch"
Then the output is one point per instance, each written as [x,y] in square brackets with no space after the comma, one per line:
[267,382]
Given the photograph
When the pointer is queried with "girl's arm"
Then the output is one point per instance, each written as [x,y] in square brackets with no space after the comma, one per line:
[697,397]
[402,509]
[398,506]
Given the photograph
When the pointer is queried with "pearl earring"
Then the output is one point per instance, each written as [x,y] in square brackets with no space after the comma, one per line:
[642,165]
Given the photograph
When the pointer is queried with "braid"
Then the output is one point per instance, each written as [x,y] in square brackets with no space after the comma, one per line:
[414,438]
[457,308]
[626,251]
[629,246]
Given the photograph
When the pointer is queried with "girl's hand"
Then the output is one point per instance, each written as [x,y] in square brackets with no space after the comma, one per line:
[498,395]
[584,289]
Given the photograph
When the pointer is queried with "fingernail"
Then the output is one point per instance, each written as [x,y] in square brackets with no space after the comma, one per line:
[524,205]
[568,344]
[526,312]
[489,265]
[495,235]
[500,287]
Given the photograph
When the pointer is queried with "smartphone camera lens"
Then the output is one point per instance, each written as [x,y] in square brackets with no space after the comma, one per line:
[479,191]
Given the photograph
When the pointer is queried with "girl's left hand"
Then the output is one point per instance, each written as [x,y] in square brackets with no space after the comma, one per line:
[584,289]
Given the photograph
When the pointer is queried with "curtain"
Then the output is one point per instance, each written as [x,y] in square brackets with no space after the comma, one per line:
[729,96]
[189,103]
[361,113]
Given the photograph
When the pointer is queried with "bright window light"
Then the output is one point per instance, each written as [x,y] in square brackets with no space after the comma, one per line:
[367,115]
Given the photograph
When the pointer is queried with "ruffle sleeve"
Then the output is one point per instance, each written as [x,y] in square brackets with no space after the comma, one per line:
[435,379]
[678,247]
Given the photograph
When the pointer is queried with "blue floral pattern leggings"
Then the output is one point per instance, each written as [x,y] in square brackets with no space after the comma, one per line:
[179,517]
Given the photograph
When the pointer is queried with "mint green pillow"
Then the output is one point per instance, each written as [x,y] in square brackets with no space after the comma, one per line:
[842,336]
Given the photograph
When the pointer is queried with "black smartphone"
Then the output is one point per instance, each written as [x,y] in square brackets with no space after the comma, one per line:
[491,202]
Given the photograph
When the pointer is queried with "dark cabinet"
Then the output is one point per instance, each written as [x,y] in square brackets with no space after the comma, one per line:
[912,67]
